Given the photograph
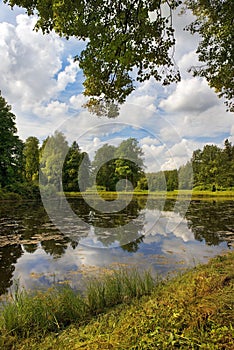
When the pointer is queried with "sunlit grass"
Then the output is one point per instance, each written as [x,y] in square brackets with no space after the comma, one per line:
[190,194]
[27,314]
[194,310]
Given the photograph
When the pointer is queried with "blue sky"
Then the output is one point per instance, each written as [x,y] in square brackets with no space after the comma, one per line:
[43,84]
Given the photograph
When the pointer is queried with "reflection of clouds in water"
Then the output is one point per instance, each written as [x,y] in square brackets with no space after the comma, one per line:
[191,253]
[165,221]
[158,240]
[40,269]
[149,223]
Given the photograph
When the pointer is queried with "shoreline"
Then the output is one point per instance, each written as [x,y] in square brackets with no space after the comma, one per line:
[191,310]
[176,194]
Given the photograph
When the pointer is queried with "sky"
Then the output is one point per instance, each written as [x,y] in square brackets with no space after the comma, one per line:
[43,84]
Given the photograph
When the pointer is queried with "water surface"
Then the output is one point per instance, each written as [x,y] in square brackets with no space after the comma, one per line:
[149,234]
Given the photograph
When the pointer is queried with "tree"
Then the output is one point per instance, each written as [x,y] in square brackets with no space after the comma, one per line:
[122,36]
[112,164]
[129,161]
[206,166]
[128,35]
[31,154]
[84,172]
[171,177]
[11,159]
[53,153]
[76,169]
[213,167]
[214,23]
[163,180]
[227,175]
[70,168]
[157,181]
[104,167]
[185,176]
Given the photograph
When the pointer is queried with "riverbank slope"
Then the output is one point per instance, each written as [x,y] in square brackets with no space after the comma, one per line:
[191,311]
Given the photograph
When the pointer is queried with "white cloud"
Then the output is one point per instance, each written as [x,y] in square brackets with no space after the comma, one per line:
[188,61]
[33,75]
[77,101]
[185,42]
[29,62]
[43,84]
[149,141]
[54,110]
[231,138]
[191,95]
[68,75]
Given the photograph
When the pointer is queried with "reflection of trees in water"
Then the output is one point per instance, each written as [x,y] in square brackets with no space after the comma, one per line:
[123,227]
[28,223]
[133,246]
[114,219]
[30,248]
[56,248]
[210,220]
[8,257]
[123,235]
[154,203]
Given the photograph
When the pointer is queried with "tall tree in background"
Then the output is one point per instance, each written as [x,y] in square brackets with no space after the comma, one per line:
[213,167]
[163,180]
[11,159]
[31,154]
[129,34]
[171,177]
[185,174]
[124,162]
[76,169]
[227,175]
[84,172]
[156,181]
[70,168]
[104,167]
[53,153]
[129,162]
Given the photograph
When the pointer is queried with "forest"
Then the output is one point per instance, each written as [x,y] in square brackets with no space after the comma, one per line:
[66,167]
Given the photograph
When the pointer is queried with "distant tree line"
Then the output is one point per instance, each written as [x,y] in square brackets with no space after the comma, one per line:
[20,162]
[61,166]
[121,168]
[211,168]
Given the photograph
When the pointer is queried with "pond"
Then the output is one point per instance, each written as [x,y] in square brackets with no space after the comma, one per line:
[148,233]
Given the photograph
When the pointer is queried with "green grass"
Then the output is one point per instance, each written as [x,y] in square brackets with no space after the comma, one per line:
[181,194]
[25,314]
[194,310]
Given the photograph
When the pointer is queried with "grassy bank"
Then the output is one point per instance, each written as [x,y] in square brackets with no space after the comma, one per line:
[182,194]
[194,310]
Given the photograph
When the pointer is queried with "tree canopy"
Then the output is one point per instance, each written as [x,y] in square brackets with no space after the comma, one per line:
[53,153]
[129,41]
[11,161]
[112,164]
[31,154]
[214,22]
[213,167]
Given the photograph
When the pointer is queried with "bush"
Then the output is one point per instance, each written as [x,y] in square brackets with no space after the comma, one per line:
[25,190]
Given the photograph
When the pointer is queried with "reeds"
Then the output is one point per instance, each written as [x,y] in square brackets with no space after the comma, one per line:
[26,313]
[193,310]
